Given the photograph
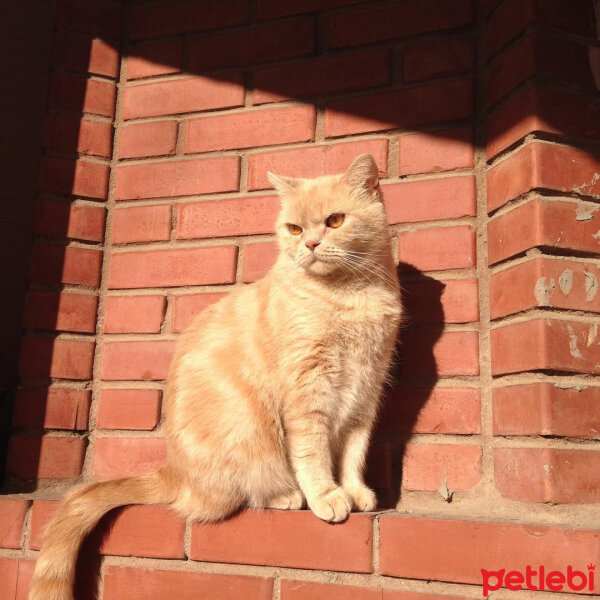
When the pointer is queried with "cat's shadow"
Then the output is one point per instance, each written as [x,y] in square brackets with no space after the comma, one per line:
[413,377]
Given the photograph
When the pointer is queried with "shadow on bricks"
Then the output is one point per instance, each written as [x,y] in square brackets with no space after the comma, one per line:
[414,375]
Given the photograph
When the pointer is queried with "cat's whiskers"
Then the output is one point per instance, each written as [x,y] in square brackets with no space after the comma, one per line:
[374,268]
[360,264]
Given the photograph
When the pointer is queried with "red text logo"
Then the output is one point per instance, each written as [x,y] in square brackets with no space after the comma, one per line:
[539,580]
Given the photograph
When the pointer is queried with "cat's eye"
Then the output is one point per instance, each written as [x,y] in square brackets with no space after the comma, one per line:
[294,229]
[335,220]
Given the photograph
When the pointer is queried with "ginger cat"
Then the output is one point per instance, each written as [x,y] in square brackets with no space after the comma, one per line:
[273,391]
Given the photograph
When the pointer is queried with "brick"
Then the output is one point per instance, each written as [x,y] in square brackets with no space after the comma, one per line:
[156,138]
[12,517]
[52,408]
[65,264]
[128,409]
[445,56]
[187,306]
[126,583]
[62,220]
[546,409]
[545,282]
[391,21]
[155,58]
[76,177]
[182,96]
[423,410]
[141,224]
[75,134]
[192,16]
[123,457]
[60,311]
[546,344]
[221,218]
[261,538]
[434,353]
[308,590]
[542,109]
[322,76]
[59,358]
[15,577]
[26,568]
[427,466]
[438,248]
[178,178]
[378,471]
[128,535]
[514,16]
[250,128]
[79,53]
[433,152]
[409,108]
[45,458]
[258,259]
[312,161]
[40,516]
[84,16]
[67,92]
[270,9]
[146,360]
[260,43]
[430,199]
[172,268]
[547,475]
[448,301]
[418,548]
[134,314]
[491,5]
[542,57]
[538,223]
[9,569]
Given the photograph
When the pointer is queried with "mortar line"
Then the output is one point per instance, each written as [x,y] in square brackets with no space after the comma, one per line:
[375,543]
[110,204]
[485,371]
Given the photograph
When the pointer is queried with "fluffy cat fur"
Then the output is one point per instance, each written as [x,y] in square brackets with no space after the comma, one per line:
[273,391]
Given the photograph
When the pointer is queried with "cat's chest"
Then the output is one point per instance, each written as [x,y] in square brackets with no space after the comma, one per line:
[366,320]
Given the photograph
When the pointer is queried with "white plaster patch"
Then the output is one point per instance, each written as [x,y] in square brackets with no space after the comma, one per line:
[570,386]
[591,286]
[565,281]
[573,349]
[585,213]
[543,291]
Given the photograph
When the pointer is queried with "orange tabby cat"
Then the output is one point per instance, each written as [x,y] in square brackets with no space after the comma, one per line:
[272,392]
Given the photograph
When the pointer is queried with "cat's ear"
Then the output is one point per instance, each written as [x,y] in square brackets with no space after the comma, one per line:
[363,173]
[283,185]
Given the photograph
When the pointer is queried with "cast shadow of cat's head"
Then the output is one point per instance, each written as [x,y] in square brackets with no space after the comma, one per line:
[413,377]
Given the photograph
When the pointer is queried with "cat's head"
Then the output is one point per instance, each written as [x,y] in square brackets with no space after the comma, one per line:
[333,223]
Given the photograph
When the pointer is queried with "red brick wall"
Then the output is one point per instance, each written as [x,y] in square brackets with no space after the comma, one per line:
[483,120]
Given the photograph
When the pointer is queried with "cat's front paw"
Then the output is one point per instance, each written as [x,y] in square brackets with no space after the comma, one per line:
[292,500]
[363,498]
[335,506]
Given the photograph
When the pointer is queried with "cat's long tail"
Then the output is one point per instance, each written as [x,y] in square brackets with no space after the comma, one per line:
[76,517]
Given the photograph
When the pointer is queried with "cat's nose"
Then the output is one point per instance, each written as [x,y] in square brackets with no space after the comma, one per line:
[312,244]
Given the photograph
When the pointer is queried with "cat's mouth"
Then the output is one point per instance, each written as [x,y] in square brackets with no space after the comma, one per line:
[318,264]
